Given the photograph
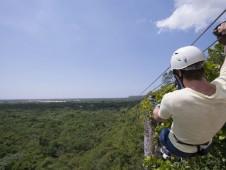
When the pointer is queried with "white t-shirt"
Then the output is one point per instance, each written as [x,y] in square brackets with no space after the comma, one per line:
[196,117]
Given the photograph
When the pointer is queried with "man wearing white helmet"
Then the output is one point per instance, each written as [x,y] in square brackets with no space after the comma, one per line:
[198,110]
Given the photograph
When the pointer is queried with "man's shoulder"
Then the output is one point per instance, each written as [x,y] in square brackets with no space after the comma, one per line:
[177,93]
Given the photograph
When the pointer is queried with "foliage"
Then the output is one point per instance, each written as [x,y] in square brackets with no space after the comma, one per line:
[168,78]
[147,105]
[216,158]
[98,135]
[214,62]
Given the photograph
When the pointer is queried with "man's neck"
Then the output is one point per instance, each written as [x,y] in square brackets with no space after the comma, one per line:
[201,86]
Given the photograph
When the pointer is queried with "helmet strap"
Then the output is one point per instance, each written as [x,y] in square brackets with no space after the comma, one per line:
[179,80]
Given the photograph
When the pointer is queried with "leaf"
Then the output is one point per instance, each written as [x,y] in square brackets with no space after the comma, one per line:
[221,137]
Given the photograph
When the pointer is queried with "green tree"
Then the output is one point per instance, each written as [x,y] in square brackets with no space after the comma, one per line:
[214,62]
[168,78]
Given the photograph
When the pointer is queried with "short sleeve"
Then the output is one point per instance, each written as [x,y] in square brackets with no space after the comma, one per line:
[165,107]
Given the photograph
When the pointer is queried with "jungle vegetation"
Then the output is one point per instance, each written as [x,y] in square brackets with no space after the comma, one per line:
[99,135]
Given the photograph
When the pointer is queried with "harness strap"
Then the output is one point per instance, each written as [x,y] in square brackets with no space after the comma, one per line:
[199,150]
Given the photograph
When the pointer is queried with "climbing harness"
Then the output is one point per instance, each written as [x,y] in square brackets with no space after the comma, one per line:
[200,151]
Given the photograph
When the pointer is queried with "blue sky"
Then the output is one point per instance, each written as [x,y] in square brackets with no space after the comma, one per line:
[95,48]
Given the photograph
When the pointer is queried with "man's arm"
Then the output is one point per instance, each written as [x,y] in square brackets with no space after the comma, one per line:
[163,111]
[224,63]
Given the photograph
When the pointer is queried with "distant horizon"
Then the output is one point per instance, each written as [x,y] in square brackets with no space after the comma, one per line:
[75,98]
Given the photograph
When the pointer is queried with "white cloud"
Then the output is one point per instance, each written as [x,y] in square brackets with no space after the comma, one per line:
[193,14]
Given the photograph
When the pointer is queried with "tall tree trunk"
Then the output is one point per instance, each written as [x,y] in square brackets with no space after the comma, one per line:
[150,147]
[147,137]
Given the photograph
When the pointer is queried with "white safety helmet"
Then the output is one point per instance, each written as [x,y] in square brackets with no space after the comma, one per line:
[185,57]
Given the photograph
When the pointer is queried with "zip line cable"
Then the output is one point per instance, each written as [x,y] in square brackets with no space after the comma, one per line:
[208,27]
[147,88]
[210,46]
[135,102]
[169,66]
[154,81]
[150,91]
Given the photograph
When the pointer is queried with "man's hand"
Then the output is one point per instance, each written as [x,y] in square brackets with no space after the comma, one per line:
[156,116]
[152,99]
[220,32]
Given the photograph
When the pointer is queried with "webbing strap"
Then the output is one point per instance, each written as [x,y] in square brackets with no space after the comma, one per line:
[178,141]
[200,151]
